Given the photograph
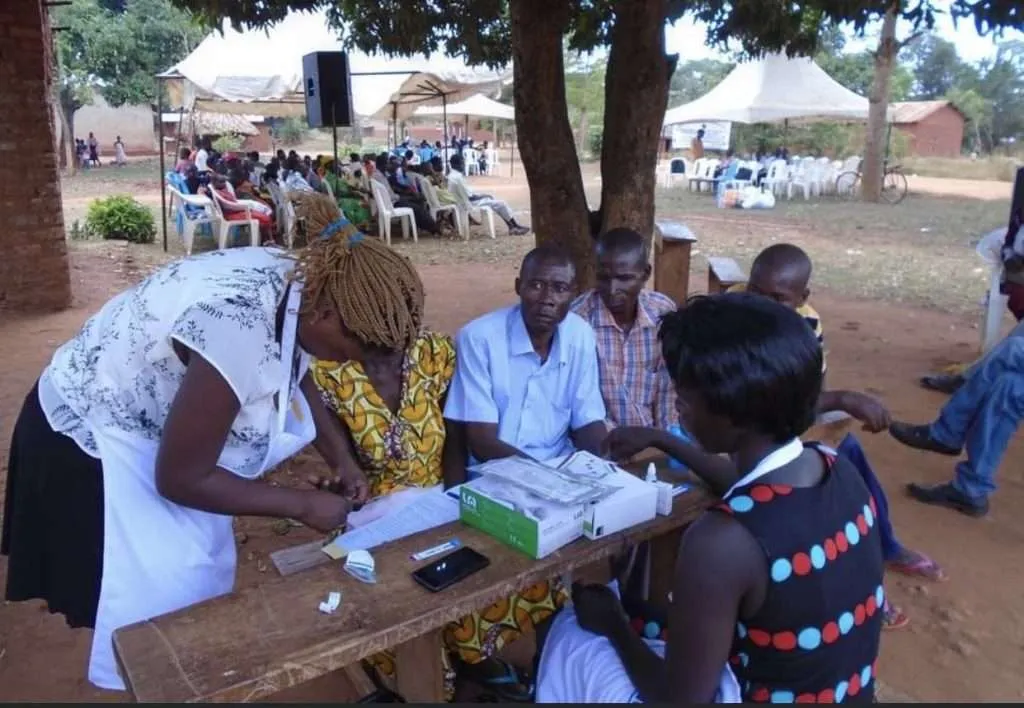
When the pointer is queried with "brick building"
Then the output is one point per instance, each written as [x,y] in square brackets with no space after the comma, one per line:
[34,268]
[933,128]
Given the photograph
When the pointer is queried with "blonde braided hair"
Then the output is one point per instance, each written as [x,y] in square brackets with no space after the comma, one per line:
[376,290]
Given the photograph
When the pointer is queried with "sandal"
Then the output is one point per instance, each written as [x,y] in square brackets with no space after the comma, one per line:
[918,565]
[893,617]
[508,686]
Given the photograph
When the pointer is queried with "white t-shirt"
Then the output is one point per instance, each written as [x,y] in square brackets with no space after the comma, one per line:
[121,372]
[201,157]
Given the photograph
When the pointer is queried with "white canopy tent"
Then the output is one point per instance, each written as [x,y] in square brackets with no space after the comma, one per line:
[771,89]
[477,106]
[260,72]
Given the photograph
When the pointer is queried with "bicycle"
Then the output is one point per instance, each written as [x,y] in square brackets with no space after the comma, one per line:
[894,183]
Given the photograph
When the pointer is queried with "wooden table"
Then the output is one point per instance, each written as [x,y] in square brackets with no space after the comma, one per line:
[259,640]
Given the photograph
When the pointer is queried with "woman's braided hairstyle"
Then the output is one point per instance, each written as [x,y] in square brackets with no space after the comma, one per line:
[376,290]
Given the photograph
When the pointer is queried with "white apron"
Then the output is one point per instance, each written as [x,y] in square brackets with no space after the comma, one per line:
[158,556]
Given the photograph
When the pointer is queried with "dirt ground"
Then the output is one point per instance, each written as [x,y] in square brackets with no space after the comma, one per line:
[966,637]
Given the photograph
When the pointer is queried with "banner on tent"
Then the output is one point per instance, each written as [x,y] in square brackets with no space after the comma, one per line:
[716,134]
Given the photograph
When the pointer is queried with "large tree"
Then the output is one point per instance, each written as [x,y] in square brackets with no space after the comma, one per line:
[115,47]
[531,33]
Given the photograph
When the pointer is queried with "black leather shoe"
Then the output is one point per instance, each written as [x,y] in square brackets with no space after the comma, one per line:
[948,496]
[920,438]
[943,383]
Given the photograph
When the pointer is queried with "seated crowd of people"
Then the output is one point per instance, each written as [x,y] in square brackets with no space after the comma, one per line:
[242,182]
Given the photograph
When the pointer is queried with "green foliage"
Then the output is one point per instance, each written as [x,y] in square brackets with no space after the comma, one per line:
[693,79]
[228,142]
[584,97]
[857,71]
[120,218]
[290,131]
[118,51]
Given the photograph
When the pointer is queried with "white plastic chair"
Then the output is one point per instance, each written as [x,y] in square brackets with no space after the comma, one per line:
[707,176]
[693,175]
[386,211]
[778,177]
[493,161]
[285,212]
[801,179]
[192,221]
[990,248]
[427,189]
[465,208]
[225,226]
[471,159]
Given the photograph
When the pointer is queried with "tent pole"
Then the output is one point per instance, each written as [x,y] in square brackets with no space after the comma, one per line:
[445,146]
[334,135]
[160,149]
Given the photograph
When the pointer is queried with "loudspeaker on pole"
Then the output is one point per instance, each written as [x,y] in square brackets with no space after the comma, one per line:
[327,86]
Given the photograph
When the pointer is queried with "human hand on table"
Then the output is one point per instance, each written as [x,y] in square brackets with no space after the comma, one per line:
[323,510]
[598,610]
[349,483]
[625,442]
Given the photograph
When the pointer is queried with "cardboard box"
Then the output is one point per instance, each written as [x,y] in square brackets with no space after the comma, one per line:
[522,520]
[635,502]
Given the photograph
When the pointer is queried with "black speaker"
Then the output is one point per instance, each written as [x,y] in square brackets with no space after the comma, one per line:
[328,89]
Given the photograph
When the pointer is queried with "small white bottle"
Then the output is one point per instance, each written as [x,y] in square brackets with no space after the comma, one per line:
[664,490]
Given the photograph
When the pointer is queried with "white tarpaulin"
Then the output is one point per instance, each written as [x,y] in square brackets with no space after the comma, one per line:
[260,72]
[478,106]
[772,89]
[717,135]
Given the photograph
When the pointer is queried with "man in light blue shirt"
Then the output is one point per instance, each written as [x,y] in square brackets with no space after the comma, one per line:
[526,377]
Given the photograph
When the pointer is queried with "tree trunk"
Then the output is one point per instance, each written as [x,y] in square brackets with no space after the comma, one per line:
[878,107]
[558,203]
[67,119]
[636,95]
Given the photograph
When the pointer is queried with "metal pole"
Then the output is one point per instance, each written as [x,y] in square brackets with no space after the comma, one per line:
[334,134]
[445,146]
[160,149]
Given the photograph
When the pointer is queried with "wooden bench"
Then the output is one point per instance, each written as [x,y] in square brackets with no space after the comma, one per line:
[723,273]
[257,641]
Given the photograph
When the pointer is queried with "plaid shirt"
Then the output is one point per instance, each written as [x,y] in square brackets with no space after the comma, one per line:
[635,384]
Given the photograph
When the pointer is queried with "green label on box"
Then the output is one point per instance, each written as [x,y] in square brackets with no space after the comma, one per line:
[499,521]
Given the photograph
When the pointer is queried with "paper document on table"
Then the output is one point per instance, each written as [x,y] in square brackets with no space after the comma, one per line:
[544,481]
[425,511]
[586,465]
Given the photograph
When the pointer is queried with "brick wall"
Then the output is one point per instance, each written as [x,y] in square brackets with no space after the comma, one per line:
[33,251]
[939,134]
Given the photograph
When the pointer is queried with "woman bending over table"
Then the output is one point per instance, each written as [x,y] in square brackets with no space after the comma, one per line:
[150,429]
[391,405]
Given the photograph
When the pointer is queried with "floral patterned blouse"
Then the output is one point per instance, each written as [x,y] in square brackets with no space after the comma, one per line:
[120,373]
[402,450]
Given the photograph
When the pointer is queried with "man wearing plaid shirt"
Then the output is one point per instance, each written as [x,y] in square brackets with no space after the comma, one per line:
[634,382]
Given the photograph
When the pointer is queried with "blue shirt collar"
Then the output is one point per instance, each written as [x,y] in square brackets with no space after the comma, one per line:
[519,342]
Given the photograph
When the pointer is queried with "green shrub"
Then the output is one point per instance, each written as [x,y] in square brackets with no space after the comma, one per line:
[229,142]
[291,131]
[121,218]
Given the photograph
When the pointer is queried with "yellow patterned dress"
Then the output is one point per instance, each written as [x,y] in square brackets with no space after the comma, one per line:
[405,450]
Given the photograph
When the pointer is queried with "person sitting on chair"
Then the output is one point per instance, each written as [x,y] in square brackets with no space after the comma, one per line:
[457,177]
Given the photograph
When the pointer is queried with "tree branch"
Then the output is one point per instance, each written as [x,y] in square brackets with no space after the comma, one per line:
[914,36]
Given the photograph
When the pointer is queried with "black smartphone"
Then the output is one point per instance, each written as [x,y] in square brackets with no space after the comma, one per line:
[450,569]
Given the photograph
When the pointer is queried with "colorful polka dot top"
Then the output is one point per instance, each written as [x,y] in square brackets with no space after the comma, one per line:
[815,639]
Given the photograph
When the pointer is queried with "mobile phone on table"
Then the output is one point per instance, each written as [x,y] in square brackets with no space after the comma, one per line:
[450,569]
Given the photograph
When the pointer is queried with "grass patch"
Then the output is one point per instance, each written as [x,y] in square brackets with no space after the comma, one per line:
[992,168]
[920,252]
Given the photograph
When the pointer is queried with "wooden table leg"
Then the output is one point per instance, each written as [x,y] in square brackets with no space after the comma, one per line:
[419,674]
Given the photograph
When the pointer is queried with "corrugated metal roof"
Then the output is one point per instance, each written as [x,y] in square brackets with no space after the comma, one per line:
[914,111]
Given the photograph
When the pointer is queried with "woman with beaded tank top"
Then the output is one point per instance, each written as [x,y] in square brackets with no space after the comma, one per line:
[781,582]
